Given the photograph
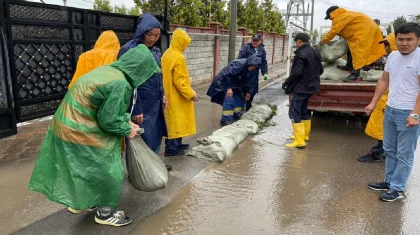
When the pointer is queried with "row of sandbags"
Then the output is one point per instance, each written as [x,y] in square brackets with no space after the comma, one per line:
[222,142]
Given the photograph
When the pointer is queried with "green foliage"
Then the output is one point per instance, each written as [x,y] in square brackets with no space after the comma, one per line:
[252,15]
[102,5]
[120,10]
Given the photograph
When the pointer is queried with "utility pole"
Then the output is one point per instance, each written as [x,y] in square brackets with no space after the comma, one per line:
[312,20]
[65,3]
[232,30]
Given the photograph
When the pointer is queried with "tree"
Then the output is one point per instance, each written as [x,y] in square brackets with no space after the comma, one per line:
[398,21]
[120,10]
[254,15]
[268,16]
[102,5]
[241,19]
[217,13]
[315,35]
[134,11]
[187,12]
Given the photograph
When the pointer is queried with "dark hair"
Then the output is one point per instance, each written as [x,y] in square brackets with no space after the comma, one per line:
[410,27]
[303,37]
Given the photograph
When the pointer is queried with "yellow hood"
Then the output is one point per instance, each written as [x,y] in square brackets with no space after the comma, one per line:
[180,40]
[108,40]
[391,40]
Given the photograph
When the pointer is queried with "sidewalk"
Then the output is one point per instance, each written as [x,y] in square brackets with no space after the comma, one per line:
[21,207]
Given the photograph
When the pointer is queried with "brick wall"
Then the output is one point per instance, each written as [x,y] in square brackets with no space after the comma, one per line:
[208,52]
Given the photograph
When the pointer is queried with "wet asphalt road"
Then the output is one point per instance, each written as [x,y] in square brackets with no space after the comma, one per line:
[265,188]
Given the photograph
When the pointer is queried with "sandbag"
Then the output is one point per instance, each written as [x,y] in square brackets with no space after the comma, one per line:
[332,50]
[253,116]
[213,152]
[371,75]
[238,134]
[228,144]
[147,171]
[336,74]
[250,126]
[263,109]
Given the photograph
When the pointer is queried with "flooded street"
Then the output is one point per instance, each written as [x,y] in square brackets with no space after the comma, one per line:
[265,188]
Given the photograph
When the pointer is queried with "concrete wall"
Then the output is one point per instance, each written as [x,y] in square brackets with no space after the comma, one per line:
[199,56]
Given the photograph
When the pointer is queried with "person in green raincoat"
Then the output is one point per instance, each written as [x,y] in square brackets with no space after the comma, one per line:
[79,164]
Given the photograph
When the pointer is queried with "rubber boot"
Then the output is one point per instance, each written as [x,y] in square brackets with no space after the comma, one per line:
[299,133]
[307,124]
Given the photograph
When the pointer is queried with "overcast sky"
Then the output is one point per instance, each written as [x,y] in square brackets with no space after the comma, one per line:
[385,10]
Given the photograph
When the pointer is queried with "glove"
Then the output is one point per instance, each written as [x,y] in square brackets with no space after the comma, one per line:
[265,77]
[284,86]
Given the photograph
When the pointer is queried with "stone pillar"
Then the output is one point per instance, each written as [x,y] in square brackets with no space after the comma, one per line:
[274,47]
[244,32]
[216,50]
[282,49]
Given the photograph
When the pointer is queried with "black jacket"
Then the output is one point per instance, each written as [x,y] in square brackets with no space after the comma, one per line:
[306,69]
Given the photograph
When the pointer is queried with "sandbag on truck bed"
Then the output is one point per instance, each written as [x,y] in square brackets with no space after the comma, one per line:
[332,50]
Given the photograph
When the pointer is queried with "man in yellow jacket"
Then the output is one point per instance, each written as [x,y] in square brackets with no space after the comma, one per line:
[361,33]
[374,128]
[104,52]
[179,115]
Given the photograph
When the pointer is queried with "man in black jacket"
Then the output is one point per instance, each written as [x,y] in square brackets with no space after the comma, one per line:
[247,50]
[303,81]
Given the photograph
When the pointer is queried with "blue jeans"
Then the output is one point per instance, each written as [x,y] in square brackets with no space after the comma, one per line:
[232,107]
[172,144]
[298,108]
[400,144]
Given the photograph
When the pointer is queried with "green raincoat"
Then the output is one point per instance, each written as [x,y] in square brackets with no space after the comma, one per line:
[79,164]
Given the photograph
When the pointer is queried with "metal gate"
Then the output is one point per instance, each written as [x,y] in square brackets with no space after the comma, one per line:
[44,43]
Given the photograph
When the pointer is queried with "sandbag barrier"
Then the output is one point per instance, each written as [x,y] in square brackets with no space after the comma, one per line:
[222,142]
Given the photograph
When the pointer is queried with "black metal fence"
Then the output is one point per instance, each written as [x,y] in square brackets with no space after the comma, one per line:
[40,47]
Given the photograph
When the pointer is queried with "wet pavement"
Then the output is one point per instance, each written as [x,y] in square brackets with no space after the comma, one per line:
[263,188]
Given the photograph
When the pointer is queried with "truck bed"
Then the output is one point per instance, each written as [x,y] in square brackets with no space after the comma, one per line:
[339,96]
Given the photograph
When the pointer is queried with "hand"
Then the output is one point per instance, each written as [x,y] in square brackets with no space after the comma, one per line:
[321,42]
[411,122]
[195,97]
[138,119]
[265,77]
[247,97]
[132,124]
[229,93]
[134,133]
[284,86]
[165,102]
[369,109]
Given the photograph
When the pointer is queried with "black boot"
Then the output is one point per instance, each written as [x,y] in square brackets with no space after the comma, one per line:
[174,153]
[370,158]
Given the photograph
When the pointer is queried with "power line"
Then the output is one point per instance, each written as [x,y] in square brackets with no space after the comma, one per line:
[373,12]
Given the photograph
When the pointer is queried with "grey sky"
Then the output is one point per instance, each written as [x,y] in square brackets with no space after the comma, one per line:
[385,10]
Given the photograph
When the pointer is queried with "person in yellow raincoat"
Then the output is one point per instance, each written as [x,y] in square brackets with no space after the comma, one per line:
[179,114]
[374,128]
[104,52]
[362,34]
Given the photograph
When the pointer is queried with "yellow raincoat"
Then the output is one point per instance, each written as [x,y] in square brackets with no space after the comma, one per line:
[104,52]
[179,115]
[362,34]
[374,128]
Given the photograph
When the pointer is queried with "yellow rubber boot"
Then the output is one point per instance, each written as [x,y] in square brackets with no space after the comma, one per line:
[299,133]
[307,124]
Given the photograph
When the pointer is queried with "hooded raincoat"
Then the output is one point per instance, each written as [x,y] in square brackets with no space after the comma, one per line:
[104,52]
[79,164]
[234,75]
[179,114]
[362,34]
[374,127]
[248,50]
[150,94]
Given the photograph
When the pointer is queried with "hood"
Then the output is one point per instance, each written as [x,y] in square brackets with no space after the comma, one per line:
[108,40]
[255,59]
[180,40]
[391,40]
[145,23]
[138,65]
[337,12]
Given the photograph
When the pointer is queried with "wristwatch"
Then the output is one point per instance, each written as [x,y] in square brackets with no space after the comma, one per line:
[415,116]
